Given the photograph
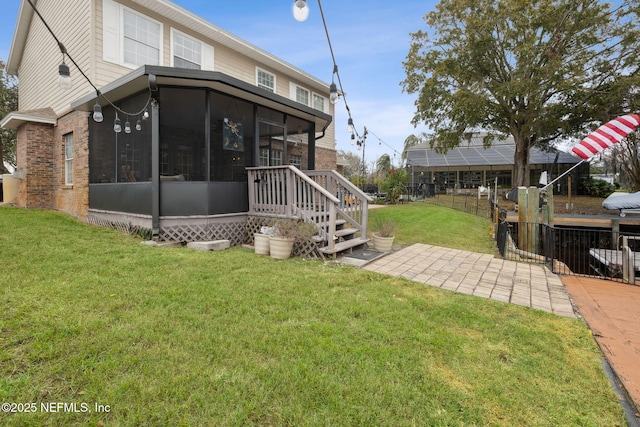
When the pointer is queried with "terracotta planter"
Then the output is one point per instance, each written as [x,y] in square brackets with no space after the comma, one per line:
[261,243]
[382,244]
[280,247]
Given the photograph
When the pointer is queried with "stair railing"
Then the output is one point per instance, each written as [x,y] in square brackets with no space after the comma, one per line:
[353,205]
[286,192]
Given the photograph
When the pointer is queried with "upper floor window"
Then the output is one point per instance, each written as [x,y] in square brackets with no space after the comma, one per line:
[265,80]
[320,103]
[187,51]
[299,94]
[130,38]
[68,159]
[141,39]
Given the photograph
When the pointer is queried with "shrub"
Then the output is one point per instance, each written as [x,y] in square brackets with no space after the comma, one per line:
[595,188]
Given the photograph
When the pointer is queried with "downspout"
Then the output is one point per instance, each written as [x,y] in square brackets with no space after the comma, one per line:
[155,158]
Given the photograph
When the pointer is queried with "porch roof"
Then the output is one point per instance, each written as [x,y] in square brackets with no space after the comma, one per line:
[139,81]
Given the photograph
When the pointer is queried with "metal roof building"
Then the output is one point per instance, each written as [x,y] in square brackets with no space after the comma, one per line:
[471,164]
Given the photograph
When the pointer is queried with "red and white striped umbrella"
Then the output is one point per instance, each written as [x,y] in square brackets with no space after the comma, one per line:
[606,136]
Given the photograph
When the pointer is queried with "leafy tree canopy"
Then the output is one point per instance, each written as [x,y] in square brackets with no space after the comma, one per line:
[535,69]
[8,103]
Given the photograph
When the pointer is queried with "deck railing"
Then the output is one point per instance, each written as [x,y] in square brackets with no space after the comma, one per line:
[353,204]
[318,197]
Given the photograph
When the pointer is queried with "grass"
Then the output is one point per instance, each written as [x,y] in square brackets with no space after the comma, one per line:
[186,338]
[427,223]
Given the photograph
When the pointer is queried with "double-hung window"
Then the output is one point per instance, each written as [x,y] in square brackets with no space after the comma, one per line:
[187,51]
[141,39]
[68,159]
[265,80]
[319,103]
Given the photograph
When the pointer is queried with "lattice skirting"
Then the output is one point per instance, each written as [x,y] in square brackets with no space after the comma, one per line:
[234,231]
[123,227]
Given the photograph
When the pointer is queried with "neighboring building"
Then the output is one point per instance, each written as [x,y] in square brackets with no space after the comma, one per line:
[472,165]
[196,106]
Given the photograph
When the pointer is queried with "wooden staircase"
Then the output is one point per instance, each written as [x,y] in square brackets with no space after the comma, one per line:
[337,208]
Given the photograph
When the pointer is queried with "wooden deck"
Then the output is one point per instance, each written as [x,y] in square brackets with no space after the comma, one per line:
[591,221]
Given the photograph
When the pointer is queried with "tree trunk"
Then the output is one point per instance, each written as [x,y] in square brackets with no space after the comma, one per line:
[521,162]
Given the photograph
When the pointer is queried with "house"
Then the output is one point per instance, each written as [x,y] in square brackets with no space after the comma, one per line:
[471,165]
[178,129]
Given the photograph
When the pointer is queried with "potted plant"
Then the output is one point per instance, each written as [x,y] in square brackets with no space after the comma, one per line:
[383,234]
[261,239]
[286,233]
[281,243]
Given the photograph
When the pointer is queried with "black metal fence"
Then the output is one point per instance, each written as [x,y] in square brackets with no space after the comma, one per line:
[469,203]
[571,251]
[574,251]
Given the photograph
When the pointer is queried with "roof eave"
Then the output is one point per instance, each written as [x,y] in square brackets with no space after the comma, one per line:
[137,81]
[25,15]
[15,119]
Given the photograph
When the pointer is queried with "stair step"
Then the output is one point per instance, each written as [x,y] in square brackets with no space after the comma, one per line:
[344,246]
[346,232]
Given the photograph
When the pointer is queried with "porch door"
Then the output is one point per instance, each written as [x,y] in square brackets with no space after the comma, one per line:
[271,150]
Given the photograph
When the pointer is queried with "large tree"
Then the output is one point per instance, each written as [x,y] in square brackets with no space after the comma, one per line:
[8,103]
[535,69]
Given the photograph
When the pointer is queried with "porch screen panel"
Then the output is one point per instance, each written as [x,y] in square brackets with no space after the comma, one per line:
[232,138]
[121,157]
[183,152]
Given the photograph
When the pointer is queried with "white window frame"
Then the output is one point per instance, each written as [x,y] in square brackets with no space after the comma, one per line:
[293,93]
[197,49]
[124,10]
[275,157]
[113,38]
[296,160]
[261,70]
[68,159]
[325,102]
[206,51]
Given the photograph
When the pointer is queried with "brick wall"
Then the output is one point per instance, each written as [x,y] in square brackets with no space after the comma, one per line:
[40,154]
[35,162]
[72,199]
[325,159]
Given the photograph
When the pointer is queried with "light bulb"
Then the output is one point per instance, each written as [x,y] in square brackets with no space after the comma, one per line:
[97,113]
[353,139]
[300,10]
[138,125]
[127,127]
[117,128]
[350,127]
[64,79]
[145,115]
[333,93]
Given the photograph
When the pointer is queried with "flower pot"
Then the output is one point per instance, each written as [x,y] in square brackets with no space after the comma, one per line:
[261,243]
[382,244]
[280,247]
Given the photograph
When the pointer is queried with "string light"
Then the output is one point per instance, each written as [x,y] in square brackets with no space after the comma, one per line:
[300,10]
[65,82]
[117,128]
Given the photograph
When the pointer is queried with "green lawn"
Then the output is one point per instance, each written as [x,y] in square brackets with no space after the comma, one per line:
[425,223]
[170,337]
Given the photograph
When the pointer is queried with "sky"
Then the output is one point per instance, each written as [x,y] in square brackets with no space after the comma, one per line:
[370,40]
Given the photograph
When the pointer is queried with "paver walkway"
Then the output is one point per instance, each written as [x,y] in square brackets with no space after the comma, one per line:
[478,274]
